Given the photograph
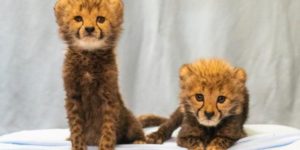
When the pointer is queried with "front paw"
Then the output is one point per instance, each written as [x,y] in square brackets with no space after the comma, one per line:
[78,144]
[191,143]
[197,148]
[215,147]
[220,144]
[104,145]
[155,138]
[79,147]
[139,142]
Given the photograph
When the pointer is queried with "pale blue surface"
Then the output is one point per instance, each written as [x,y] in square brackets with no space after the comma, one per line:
[263,137]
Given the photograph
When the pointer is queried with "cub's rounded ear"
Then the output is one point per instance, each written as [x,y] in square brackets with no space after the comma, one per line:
[117,7]
[240,74]
[185,71]
[117,2]
[59,10]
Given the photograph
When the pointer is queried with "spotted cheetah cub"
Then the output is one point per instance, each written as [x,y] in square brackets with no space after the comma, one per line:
[213,107]
[95,110]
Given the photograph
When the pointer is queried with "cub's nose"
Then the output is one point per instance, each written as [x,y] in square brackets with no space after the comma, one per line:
[89,29]
[209,114]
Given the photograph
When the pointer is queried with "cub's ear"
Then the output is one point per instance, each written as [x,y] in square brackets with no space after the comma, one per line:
[59,10]
[117,8]
[116,2]
[240,74]
[185,71]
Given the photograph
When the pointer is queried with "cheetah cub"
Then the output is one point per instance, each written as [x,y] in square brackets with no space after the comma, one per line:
[95,110]
[213,107]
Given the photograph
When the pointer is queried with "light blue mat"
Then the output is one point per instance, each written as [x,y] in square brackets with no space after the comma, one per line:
[269,137]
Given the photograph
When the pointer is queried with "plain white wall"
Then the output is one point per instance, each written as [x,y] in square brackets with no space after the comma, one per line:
[158,37]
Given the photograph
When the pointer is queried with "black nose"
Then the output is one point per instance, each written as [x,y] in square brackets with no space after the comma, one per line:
[89,29]
[209,114]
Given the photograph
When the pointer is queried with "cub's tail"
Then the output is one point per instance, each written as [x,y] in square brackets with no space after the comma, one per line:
[151,120]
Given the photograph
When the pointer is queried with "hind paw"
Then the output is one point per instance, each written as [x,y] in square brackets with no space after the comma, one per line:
[155,138]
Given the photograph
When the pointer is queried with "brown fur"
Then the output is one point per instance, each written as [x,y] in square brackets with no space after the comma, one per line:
[151,120]
[166,128]
[211,78]
[95,110]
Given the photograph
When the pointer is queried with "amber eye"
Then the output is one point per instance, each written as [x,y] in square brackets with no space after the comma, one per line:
[221,99]
[100,19]
[199,97]
[78,19]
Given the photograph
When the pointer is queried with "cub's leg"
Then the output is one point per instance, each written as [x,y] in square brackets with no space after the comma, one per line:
[228,134]
[191,135]
[76,124]
[73,103]
[135,131]
[166,129]
[108,130]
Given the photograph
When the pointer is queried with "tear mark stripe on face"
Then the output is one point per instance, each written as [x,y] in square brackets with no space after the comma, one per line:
[101,36]
[200,109]
[221,114]
[78,32]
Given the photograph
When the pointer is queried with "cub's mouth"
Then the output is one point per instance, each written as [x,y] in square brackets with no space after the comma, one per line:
[209,123]
[208,119]
[90,38]
[90,43]
[96,36]
[89,32]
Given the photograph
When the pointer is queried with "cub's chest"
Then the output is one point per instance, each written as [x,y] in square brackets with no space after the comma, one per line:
[90,82]
[88,77]
[91,78]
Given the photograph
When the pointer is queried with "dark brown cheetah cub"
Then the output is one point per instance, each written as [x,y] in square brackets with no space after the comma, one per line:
[95,110]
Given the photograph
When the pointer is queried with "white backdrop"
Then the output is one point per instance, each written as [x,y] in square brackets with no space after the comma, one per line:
[263,36]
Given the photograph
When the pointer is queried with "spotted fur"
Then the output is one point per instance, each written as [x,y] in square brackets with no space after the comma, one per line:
[95,110]
[208,121]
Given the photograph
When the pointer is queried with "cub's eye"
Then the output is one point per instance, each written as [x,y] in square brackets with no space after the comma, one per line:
[78,19]
[199,97]
[221,99]
[100,19]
